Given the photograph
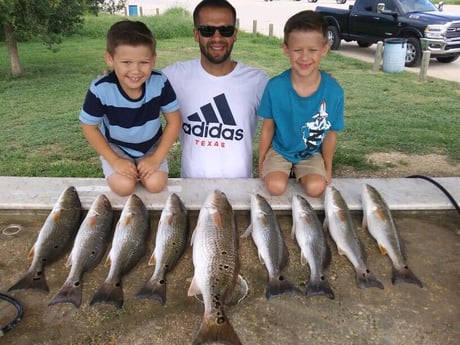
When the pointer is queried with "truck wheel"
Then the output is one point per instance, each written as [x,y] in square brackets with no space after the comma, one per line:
[414,52]
[363,44]
[447,59]
[333,36]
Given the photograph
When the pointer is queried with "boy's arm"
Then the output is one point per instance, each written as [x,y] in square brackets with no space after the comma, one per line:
[151,163]
[328,149]
[265,141]
[95,138]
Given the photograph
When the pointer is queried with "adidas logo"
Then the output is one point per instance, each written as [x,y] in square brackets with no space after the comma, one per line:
[211,127]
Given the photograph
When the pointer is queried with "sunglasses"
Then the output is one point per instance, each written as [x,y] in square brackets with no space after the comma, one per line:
[208,30]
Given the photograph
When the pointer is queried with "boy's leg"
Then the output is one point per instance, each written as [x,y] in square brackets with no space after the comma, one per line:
[311,174]
[276,172]
[119,184]
[157,181]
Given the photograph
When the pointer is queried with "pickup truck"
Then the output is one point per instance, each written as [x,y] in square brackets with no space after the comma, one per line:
[421,23]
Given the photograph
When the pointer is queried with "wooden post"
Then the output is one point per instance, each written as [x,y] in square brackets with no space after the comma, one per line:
[238,23]
[424,66]
[141,12]
[270,30]
[254,26]
[378,56]
[157,11]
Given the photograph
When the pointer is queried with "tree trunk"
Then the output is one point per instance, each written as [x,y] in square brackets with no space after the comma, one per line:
[12,45]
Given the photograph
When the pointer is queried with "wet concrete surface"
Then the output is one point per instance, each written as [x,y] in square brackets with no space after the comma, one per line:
[399,314]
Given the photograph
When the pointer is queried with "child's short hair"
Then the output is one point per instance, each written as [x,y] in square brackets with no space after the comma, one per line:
[127,32]
[305,21]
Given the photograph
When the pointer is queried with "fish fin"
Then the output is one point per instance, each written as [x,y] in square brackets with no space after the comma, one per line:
[217,220]
[380,214]
[193,290]
[32,280]
[56,216]
[293,231]
[263,219]
[239,292]
[366,279]
[320,287]
[279,285]
[153,289]
[31,253]
[221,332]
[193,236]
[382,249]
[364,223]
[247,232]
[340,251]
[326,224]
[108,261]
[303,259]
[260,257]
[152,259]
[404,275]
[70,292]
[68,262]
[111,293]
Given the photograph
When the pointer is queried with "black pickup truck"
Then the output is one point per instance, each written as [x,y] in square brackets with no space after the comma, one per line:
[423,25]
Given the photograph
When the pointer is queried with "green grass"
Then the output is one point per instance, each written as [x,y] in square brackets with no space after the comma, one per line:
[41,134]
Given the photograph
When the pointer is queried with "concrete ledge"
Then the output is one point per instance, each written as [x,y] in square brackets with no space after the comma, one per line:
[410,194]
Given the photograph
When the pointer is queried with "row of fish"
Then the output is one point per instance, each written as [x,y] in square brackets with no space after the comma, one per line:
[90,241]
[215,242]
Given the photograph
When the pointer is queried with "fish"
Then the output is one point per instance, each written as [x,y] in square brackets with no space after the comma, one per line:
[129,245]
[53,240]
[170,244]
[379,222]
[216,264]
[87,251]
[342,229]
[272,250]
[309,233]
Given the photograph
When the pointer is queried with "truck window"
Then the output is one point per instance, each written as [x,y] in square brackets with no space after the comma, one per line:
[365,6]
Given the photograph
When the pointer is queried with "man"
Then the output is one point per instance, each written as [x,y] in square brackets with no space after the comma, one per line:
[219,98]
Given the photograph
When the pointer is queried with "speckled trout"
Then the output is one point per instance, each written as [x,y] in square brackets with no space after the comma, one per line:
[272,250]
[379,222]
[87,251]
[54,239]
[343,231]
[216,268]
[314,250]
[170,243]
[129,245]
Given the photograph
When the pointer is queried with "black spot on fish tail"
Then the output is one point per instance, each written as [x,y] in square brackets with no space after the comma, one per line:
[404,275]
[109,293]
[366,279]
[280,286]
[319,287]
[34,280]
[216,330]
[153,290]
[70,292]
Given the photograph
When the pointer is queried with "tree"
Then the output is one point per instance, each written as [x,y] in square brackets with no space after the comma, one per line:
[47,19]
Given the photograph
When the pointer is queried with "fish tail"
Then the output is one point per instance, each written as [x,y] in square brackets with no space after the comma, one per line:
[153,290]
[319,288]
[221,332]
[366,279]
[404,275]
[35,280]
[109,293]
[70,292]
[280,286]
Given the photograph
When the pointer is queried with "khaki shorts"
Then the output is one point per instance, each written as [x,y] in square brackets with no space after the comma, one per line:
[109,170]
[312,165]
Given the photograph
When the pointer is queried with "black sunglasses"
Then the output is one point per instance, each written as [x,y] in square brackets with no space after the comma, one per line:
[208,30]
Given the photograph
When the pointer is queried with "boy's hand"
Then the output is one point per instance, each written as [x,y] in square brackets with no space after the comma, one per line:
[126,168]
[147,166]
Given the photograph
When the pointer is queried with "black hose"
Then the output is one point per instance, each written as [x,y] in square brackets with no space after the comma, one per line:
[449,196]
[18,317]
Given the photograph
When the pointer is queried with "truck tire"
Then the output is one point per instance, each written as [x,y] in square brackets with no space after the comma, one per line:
[334,37]
[447,59]
[414,52]
[363,44]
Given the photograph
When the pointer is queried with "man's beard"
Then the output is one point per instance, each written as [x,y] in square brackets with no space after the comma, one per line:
[215,60]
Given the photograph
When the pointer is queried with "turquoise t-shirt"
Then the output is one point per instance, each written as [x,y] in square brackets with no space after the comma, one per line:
[301,123]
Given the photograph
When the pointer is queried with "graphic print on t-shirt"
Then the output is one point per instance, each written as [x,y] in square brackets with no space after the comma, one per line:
[313,132]
[215,125]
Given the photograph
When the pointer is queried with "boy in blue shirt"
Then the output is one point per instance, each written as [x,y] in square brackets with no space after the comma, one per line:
[302,110]
[120,117]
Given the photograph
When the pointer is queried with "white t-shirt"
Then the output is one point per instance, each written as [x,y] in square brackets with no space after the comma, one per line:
[219,118]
